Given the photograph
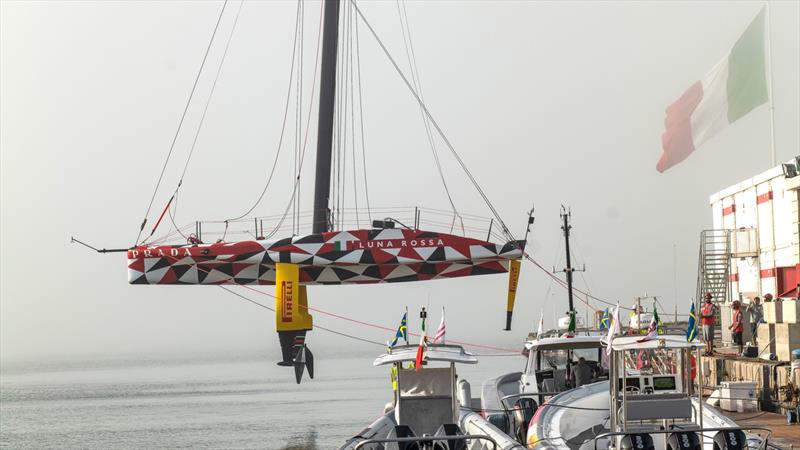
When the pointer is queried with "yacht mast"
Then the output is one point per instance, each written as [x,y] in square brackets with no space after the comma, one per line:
[327,97]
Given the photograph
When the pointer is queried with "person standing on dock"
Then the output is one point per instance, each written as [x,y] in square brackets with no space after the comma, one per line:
[707,319]
[737,326]
[756,311]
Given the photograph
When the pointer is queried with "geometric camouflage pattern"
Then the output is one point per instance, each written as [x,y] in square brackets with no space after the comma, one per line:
[339,257]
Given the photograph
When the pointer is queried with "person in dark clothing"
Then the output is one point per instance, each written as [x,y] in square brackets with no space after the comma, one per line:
[756,310]
[581,373]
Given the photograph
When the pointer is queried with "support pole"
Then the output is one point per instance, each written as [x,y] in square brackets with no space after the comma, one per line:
[773,156]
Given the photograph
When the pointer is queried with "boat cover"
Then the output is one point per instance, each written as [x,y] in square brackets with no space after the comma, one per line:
[665,341]
[446,353]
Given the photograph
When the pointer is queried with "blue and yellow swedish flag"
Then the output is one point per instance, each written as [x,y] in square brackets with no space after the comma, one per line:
[691,328]
[402,332]
[605,321]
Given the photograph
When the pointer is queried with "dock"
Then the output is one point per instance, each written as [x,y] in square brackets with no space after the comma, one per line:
[784,435]
[776,386]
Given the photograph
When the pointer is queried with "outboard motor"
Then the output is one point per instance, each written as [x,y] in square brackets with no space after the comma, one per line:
[524,408]
[638,441]
[733,439]
[402,431]
[450,429]
[684,440]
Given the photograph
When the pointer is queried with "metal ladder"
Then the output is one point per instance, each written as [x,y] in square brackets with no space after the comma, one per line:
[713,269]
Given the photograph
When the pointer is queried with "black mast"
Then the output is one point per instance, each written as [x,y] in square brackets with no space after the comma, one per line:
[565,216]
[327,97]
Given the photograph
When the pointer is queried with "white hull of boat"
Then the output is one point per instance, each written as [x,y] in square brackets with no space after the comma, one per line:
[572,420]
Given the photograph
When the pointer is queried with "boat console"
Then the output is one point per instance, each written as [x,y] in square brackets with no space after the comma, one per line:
[652,404]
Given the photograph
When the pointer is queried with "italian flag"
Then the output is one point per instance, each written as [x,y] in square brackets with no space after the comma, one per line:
[733,88]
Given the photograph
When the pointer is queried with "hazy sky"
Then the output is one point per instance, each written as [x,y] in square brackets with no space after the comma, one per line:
[547,102]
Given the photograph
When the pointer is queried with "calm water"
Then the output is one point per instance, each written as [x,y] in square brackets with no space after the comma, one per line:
[228,402]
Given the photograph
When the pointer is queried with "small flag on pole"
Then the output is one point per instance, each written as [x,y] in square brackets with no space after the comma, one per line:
[613,330]
[540,329]
[438,338]
[402,331]
[691,328]
[572,325]
[652,329]
[655,314]
[605,321]
[423,341]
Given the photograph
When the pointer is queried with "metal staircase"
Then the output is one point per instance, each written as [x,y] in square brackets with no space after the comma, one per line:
[713,268]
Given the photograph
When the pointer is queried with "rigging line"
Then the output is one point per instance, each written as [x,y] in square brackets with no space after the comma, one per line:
[350,336]
[172,218]
[564,284]
[375,325]
[435,124]
[294,87]
[298,197]
[361,120]
[559,281]
[210,96]
[283,129]
[295,188]
[299,123]
[343,120]
[353,116]
[180,123]
[574,253]
[466,344]
[405,27]
[586,294]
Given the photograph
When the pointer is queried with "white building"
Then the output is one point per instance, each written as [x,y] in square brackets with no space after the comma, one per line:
[765,244]
[762,215]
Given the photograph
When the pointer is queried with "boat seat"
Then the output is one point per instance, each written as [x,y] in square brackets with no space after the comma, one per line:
[401,431]
[450,429]
[549,385]
[546,374]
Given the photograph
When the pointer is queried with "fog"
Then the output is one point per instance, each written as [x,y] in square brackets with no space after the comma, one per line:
[547,103]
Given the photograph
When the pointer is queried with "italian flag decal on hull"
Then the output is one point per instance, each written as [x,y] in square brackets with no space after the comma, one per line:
[733,88]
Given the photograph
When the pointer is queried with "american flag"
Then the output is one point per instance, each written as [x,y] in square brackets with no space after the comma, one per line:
[438,338]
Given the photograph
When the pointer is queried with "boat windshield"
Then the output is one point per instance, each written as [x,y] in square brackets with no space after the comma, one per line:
[658,361]
[557,359]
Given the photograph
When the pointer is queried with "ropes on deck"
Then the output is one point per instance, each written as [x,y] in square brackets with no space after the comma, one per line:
[180,123]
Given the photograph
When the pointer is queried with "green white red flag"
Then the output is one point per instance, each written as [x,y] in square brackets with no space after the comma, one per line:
[733,88]
[423,343]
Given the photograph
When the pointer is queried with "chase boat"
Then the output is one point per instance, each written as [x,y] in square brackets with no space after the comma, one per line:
[431,406]
[649,404]
[509,401]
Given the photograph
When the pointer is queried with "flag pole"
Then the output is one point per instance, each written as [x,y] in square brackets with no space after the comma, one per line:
[407,324]
[769,88]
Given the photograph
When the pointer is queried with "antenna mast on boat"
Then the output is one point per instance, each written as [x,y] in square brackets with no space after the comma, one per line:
[327,98]
[565,216]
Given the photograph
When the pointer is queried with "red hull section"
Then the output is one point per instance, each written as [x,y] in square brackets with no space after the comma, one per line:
[344,257]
